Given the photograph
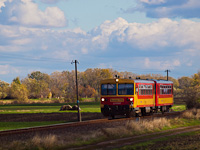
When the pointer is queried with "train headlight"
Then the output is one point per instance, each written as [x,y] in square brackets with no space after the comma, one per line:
[117,80]
[131,99]
[102,99]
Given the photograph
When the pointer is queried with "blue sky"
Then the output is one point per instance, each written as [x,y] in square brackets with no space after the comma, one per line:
[139,36]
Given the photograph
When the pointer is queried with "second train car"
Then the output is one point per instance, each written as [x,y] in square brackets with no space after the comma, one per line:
[135,97]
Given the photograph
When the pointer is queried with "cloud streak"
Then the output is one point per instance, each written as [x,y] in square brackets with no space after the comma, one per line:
[168,8]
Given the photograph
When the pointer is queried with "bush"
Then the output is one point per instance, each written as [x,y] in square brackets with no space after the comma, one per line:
[192,95]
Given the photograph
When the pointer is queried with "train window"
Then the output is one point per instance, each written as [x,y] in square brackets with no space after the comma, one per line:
[125,89]
[165,89]
[146,90]
[140,91]
[108,89]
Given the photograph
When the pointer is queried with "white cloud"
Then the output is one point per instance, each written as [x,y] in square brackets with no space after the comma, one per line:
[2,4]
[103,32]
[27,13]
[155,35]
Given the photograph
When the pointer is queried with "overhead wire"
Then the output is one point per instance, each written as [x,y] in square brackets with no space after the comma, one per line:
[81,65]
[31,58]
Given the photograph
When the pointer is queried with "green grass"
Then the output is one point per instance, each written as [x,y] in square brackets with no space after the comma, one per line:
[55,107]
[177,107]
[18,125]
[47,108]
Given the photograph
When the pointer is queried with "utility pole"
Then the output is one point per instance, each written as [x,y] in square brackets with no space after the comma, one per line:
[79,114]
[167,73]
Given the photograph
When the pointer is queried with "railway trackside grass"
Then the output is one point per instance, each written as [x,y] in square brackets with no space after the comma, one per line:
[183,141]
[47,108]
[18,125]
[179,107]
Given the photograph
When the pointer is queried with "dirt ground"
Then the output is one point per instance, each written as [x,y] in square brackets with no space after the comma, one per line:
[37,117]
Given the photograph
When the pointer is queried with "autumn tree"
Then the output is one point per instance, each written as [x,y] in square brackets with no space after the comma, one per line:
[87,91]
[4,89]
[94,76]
[190,88]
[185,82]
[18,90]
[58,84]
[34,87]
[37,84]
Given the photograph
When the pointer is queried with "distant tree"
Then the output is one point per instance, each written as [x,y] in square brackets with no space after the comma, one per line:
[58,84]
[185,82]
[196,80]
[4,89]
[37,75]
[17,80]
[18,90]
[37,84]
[191,90]
[87,91]
[37,89]
[70,88]
[94,76]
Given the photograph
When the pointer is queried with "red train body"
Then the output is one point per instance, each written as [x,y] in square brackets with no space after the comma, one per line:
[135,97]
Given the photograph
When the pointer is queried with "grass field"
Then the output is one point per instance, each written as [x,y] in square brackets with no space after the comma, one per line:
[47,108]
[40,108]
[18,125]
[55,107]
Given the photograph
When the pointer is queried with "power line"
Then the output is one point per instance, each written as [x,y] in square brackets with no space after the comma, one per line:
[31,58]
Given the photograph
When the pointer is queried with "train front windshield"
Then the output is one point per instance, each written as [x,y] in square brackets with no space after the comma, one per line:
[108,89]
[123,89]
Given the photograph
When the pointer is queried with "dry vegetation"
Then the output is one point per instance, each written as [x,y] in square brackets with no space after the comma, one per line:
[191,114]
[135,128]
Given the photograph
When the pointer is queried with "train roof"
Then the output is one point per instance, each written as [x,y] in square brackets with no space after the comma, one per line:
[143,81]
[136,81]
[163,81]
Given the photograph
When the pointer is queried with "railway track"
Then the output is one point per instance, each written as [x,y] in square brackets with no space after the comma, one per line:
[79,124]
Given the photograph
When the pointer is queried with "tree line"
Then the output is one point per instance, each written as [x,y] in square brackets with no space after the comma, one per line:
[61,85]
